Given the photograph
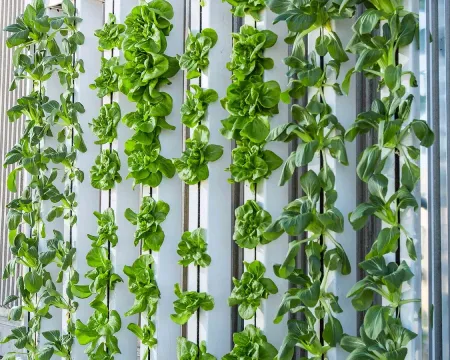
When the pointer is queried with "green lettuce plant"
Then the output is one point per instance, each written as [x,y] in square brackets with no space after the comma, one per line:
[188,303]
[251,344]
[251,222]
[193,110]
[105,126]
[108,80]
[192,248]
[252,163]
[105,173]
[148,119]
[247,58]
[251,289]
[195,57]
[151,214]
[187,350]
[247,7]
[107,229]
[192,167]
[111,35]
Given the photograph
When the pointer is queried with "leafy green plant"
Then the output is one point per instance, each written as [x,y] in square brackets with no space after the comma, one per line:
[252,163]
[99,332]
[192,167]
[192,248]
[188,303]
[107,229]
[187,350]
[108,80]
[243,7]
[105,173]
[146,334]
[111,35]
[193,110]
[250,103]
[195,58]
[247,58]
[251,289]
[148,119]
[251,222]
[151,214]
[105,126]
[251,344]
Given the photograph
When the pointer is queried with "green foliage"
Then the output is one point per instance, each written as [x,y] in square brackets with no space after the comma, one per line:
[107,229]
[247,58]
[151,214]
[108,81]
[148,119]
[193,110]
[187,350]
[192,248]
[252,163]
[146,334]
[99,332]
[247,7]
[251,344]
[111,35]
[192,167]
[195,58]
[251,222]
[250,103]
[105,172]
[105,126]
[188,303]
[251,289]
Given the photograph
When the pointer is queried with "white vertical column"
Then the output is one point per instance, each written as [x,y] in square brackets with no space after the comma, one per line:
[216,191]
[344,108]
[410,219]
[124,253]
[87,196]
[168,273]
[271,196]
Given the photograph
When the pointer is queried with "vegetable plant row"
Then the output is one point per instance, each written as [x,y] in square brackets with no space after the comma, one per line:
[45,46]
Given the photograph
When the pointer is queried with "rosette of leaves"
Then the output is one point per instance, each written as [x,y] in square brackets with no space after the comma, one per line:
[141,77]
[147,26]
[146,334]
[192,248]
[251,222]
[192,167]
[250,103]
[111,35]
[247,58]
[195,57]
[251,289]
[247,7]
[188,350]
[105,172]
[193,110]
[188,303]
[381,336]
[148,119]
[145,164]
[105,126]
[142,283]
[304,17]
[107,228]
[108,80]
[151,214]
[320,133]
[99,332]
[251,344]
[252,163]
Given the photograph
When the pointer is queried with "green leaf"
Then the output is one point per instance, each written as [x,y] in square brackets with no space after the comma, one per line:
[375,321]
[305,153]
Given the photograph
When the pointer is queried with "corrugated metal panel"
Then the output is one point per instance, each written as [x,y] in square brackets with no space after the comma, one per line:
[9,132]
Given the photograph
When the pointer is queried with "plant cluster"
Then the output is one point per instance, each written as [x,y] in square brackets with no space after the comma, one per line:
[247,7]
[251,289]
[111,35]
[192,248]
[37,57]
[251,103]
[105,126]
[187,350]
[188,303]
[193,110]
[106,171]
